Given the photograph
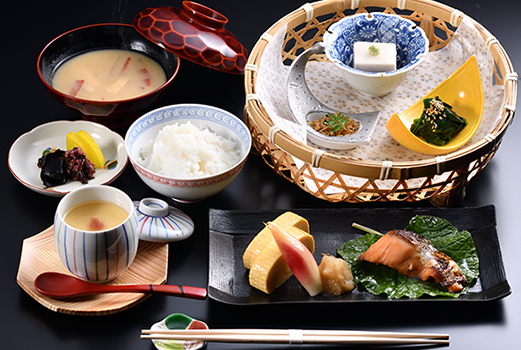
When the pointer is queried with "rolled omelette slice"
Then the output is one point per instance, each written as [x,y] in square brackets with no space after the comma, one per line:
[269,270]
[286,221]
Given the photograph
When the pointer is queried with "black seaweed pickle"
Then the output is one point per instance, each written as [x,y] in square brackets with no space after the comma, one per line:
[54,171]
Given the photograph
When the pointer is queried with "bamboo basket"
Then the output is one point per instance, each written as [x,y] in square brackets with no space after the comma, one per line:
[305,26]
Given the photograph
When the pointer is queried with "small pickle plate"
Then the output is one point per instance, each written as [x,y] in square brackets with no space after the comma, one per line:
[463,90]
[28,148]
[232,230]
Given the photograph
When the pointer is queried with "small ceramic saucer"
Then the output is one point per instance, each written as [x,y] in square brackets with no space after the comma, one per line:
[159,222]
[178,321]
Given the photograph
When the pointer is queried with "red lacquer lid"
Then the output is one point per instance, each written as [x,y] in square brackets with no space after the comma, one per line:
[196,33]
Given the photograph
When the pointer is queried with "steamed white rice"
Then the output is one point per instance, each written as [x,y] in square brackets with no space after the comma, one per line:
[184,151]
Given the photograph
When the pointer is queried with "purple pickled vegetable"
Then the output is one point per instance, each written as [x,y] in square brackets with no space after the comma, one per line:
[79,168]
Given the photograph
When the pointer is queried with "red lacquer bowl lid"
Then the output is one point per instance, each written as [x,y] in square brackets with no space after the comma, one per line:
[196,33]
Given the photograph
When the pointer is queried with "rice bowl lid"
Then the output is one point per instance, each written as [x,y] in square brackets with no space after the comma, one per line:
[412,45]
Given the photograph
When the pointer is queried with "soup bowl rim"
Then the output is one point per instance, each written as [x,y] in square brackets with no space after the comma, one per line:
[49,86]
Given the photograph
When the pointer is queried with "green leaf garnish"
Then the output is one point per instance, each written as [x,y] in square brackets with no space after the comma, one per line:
[336,122]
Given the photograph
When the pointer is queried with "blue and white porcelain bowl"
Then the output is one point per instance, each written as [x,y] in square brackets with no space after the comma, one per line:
[412,46]
[214,119]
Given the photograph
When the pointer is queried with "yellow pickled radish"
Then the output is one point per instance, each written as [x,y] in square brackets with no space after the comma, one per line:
[73,141]
[87,144]
[264,237]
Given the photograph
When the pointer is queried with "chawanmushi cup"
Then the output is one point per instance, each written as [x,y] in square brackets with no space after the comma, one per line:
[96,256]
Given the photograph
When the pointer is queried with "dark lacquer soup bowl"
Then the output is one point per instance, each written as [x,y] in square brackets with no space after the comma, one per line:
[115,113]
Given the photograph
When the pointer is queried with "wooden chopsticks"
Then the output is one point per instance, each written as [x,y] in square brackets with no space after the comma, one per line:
[296,336]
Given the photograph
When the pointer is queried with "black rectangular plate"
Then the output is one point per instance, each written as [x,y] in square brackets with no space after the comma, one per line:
[232,230]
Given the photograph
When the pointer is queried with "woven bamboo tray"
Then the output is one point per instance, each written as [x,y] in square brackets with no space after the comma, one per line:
[305,26]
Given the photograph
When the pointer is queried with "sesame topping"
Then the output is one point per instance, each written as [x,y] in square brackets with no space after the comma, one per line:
[435,109]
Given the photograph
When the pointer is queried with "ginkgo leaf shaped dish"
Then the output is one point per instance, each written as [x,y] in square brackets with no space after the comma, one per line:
[463,90]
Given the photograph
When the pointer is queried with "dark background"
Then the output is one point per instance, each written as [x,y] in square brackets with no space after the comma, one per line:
[26,324]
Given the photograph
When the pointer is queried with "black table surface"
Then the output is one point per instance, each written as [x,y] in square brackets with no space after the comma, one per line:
[24,323]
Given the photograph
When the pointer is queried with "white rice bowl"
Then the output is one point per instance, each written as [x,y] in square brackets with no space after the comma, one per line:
[180,162]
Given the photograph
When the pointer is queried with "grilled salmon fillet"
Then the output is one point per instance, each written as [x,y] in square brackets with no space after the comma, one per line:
[414,256]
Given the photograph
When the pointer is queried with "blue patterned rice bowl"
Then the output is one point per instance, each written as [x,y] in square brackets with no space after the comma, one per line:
[217,120]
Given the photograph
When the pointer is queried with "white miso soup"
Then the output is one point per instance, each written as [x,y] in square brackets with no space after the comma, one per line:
[108,75]
[95,215]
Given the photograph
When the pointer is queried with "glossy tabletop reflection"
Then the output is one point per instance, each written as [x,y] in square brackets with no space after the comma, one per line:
[27,324]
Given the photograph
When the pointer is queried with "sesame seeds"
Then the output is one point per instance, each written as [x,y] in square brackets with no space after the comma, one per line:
[434,112]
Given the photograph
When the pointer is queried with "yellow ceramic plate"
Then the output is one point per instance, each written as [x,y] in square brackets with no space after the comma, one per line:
[463,90]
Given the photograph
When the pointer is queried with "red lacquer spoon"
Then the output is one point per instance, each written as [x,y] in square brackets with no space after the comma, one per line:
[58,285]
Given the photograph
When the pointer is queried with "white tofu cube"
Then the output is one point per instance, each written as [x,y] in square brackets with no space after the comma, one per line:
[366,60]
